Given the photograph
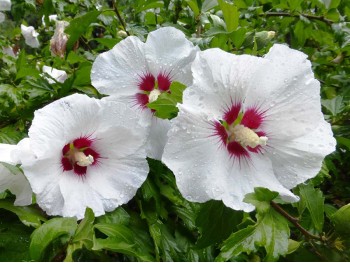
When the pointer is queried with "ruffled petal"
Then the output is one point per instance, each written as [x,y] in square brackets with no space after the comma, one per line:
[15,181]
[220,79]
[117,72]
[168,51]
[285,86]
[157,138]
[6,153]
[30,36]
[295,161]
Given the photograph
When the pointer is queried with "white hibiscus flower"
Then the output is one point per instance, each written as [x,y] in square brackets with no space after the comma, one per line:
[248,122]
[87,153]
[58,75]
[11,178]
[5,5]
[138,73]
[30,36]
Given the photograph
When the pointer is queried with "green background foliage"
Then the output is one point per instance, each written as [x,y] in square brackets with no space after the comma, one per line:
[158,224]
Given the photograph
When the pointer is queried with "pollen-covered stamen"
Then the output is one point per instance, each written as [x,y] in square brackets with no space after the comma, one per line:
[82,160]
[246,137]
[153,96]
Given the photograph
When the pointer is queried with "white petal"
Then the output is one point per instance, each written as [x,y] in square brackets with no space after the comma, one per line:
[286,87]
[300,159]
[17,184]
[59,75]
[117,72]
[117,180]
[8,50]
[23,153]
[30,36]
[167,50]
[75,115]
[5,5]
[204,169]
[77,196]
[2,17]
[219,80]
[6,153]
[157,138]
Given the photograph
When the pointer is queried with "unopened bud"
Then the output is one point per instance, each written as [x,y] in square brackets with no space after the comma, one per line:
[122,34]
[59,40]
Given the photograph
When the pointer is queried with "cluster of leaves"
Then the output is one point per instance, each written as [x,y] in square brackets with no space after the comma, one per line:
[159,224]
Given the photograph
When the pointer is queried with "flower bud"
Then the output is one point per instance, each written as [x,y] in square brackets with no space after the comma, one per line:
[59,40]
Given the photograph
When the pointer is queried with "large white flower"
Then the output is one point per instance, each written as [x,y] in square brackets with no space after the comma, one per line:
[87,153]
[248,122]
[12,178]
[138,73]
[30,36]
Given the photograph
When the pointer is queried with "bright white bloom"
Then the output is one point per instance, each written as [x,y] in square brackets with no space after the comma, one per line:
[58,75]
[87,153]
[5,5]
[138,73]
[8,51]
[12,179]
[248,122]
[30,36]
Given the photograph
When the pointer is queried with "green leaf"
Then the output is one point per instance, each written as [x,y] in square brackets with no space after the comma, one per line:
[271,231]
[56,228]
[341,141]
[334,105]
[30,216]
[118,216]
[11,135]
[238,37]
[260,198]
[231,15]
[83,235]
[24,68]
[78,27]
[313,199]
[208,4]
[216,222]
[122,239]
[341,220]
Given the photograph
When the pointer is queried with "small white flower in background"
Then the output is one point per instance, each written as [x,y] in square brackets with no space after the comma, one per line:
[9,51]
[85,153]
[5,5]
[12,179]
[138,73]
[248,122]
[30,36]
[59,40]
[58,75]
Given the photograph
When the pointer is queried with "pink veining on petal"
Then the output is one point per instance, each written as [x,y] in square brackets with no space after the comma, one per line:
[252,118]
[232,113]
[142,99]
[147,82]
[164,81]
[82,142]
[221,132]
[238,151]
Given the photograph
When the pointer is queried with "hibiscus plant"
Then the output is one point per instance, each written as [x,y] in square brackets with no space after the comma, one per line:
[174,130]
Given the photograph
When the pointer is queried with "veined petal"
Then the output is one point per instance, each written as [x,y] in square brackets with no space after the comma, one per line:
[117,72]
[285,86]
[168,51]
[219,80]
[17,184]
[295,161]
[157,138]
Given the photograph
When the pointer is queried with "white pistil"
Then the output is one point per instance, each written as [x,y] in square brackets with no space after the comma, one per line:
[82,159]
[153,96]
[246,137]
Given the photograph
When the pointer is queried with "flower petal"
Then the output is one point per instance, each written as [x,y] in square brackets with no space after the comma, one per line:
[219,81]
[5,5]
[157,138]
[6,153]
[30,36]
[168,51]
[117,72]
[285,86]
[297,160]
[58,75]
[17,184]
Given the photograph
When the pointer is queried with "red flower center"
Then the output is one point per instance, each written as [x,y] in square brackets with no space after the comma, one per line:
[78,155]
[148,84]
[240,132]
